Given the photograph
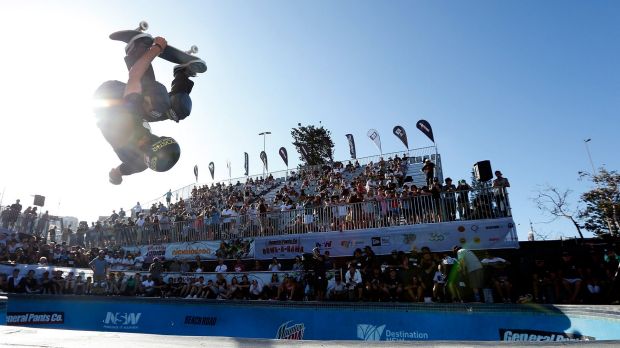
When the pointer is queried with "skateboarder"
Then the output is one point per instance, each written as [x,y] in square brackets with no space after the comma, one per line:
[126,109]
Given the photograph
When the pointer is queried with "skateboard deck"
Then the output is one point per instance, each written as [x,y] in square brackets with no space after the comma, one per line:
[170,53]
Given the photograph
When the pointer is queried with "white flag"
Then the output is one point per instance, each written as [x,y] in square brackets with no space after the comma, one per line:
[374,136]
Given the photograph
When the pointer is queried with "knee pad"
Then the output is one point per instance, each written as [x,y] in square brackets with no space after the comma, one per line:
[160,101]
[181,105]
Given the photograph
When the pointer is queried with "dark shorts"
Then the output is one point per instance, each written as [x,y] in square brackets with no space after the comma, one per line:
[476,278]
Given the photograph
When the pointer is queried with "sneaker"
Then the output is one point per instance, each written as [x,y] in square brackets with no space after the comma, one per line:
[172,115]
[116,178]
[191,68]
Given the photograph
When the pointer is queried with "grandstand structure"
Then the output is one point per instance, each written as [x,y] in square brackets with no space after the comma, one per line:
[379,201]
[288,213]
[416,161]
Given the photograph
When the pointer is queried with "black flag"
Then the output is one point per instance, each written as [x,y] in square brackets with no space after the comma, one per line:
[263,156]
[284,155]
[196,172]
[303,150]
[426,128]
[401,134]
[212,170]
[246,164]
[351,145]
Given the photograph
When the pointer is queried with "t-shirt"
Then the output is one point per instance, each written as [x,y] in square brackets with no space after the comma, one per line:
[221,268]
[99,266]
[469,259]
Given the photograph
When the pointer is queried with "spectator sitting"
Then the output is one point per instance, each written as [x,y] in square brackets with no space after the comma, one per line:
[274,266]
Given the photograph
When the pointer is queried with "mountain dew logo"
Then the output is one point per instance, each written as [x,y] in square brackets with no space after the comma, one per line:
[368,332]
[292,332]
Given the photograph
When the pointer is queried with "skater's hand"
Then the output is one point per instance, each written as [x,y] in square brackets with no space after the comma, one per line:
[160,42]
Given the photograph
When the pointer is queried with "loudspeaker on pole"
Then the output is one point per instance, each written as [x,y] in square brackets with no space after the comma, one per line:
[483,171]
[39,200]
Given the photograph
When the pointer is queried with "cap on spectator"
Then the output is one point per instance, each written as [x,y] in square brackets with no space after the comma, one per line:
[448,179]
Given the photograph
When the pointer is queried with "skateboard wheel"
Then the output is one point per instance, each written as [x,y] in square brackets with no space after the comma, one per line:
[143,26]
[192,50]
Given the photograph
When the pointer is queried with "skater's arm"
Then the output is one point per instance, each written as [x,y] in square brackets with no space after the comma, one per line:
[143,63]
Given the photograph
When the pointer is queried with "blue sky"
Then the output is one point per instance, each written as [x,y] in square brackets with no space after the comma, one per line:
[520,83]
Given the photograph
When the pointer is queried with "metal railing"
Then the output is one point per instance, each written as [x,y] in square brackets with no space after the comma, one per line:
[488,203]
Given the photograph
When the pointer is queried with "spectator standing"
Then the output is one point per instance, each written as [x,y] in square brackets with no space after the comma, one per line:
[463,200]
[500,184]
[156,270]
[136,210]
[429,171]
[449,196]
[168,196]
[472,269]
[100,267]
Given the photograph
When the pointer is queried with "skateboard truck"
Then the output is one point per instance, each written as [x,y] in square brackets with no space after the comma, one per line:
[143,26]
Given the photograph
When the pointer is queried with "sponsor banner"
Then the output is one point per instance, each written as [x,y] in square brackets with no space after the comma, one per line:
[39,318]
[540,336]
[426,128]
[352,151]
[374,136]
[212,170]
[296,320]
[290,331]
[284,155]
[479,234]
[400,133]
[263,157]
[121,321]
[188,250]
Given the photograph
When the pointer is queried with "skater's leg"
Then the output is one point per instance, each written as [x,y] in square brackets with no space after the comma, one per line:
[181,103]
[134,51]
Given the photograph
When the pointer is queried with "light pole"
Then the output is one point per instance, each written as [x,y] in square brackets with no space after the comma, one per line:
[585,142]
[264,134]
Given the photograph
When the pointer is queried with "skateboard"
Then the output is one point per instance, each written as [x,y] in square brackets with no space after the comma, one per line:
[170,53]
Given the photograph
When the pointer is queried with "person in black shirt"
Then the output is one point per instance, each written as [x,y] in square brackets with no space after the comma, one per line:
[15,283]
[393,285]
[571,275]
[320,274]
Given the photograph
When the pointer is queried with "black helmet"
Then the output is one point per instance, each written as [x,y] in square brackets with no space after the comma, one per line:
[163,155]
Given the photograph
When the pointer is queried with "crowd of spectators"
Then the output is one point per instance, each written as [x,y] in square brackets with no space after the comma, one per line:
[334,197]
[585,275]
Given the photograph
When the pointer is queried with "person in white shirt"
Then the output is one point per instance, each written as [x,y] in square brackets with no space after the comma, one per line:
[353,281]
[337,291]
[274,266]
[221,267]
[136,210]
[128,262]
[255,290]
[138,261]
[149,286]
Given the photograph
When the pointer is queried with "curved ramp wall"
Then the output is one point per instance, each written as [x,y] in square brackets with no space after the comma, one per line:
[317,321]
